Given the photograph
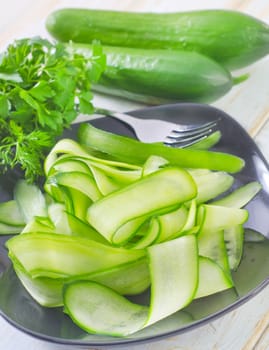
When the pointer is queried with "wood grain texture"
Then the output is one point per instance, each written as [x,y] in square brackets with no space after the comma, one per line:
[247,327]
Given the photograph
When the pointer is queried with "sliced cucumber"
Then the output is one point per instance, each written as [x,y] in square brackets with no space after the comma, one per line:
[208,142]
[59,218]
[83,229]
[52,255]
[99,309]
[30,200]
[46,291]
[10,214]
[127,279]
[76,202]
[172,223]
[78,181]
[104,183]
[68,163]
[211,185]
[174,187]
[129,229]
[151,232]
[215,218]
[119,172]
[240,197]
[6,229]
[177,259]
[190,224]
[212,245]
[212,278]
[71,147]
[39,224]
[234,240]
[152,164]
[169,239]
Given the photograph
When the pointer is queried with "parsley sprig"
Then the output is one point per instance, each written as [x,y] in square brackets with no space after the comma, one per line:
[43,87]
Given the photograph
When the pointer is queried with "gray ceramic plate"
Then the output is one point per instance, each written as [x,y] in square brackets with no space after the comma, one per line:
[18,308]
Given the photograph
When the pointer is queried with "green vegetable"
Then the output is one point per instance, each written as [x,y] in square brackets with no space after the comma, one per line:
[130,278]
[207,142]
[234,241]
[174,187]
[210,184]
[136,152]
[84,256]
[30,200]
[232,38]
[160,76]
[212,278]
[109,313]
[241,196]
[215,218]
[46,291]
[172,240]
[7,229]
[10,213]
[42,89]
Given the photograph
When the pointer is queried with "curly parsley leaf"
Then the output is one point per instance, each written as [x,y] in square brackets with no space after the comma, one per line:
[43,87]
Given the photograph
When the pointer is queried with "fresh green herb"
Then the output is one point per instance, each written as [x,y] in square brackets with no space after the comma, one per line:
[43,87]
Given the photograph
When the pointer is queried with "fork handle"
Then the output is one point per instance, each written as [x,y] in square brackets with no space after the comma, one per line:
[126,118]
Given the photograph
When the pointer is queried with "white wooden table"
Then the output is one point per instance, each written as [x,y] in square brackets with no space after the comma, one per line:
[246,328]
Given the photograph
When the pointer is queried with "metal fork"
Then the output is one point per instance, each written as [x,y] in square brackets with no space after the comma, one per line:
[155,130]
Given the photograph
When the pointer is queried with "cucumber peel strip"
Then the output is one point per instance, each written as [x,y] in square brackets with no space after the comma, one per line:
[208,142]
[30,200]
[136,152]
[11,214]
[130,278]
[212,278]
[86,261]
[98,309]
[56,256]
[240,197]
[71,147]
[174,185]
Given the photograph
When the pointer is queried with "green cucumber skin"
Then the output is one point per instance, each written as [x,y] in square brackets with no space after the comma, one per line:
[136,152]
[232,38]
[160,76]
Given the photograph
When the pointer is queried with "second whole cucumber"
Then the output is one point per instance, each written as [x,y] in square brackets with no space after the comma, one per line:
[160,76]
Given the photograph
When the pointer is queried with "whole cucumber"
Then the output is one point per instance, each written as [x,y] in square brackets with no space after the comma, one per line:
[232,38]
[160,76]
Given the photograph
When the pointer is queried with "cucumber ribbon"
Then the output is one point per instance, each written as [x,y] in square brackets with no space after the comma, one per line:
[107,228]
[110,313]
[136,152]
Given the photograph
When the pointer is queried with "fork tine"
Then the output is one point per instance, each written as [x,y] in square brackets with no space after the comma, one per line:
[176,137]
[185,142]
[180,140]
[195,128]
